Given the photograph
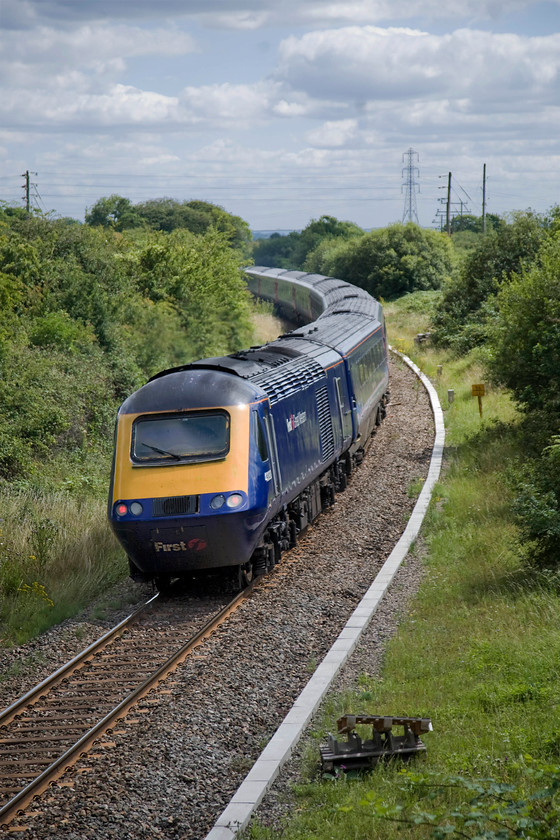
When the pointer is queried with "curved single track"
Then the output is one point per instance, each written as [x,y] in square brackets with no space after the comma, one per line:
[50,727]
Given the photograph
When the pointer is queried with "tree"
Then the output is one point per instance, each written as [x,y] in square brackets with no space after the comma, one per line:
[296,248]
[115,212]
[167,214]
[276,251]
[466,306]
[524,342]
[393,261]
[236,229]
[524,355]
[468,222]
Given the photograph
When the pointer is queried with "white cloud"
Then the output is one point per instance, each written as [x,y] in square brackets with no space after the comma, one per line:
[61,77]
[284,108]
[241,19]
[333,133]
[92,44]
[370,64]
[159,160]
[227,103]
[119,105]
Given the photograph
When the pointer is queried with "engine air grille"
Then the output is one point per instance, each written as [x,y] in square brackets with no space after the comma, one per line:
[290,378]
[175,505]
[325,424]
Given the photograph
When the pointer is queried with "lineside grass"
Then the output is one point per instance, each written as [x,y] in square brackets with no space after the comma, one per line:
[478,652]
[56,555]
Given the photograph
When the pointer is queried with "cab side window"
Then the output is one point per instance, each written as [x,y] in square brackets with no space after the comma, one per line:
[258,435]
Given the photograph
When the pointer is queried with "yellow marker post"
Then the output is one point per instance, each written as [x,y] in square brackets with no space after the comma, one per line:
[478,391]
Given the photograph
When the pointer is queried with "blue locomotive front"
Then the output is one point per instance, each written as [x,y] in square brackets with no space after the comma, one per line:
[190,488]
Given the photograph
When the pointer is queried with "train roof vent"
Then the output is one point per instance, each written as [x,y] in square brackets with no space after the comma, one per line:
[254,361]
[290,378]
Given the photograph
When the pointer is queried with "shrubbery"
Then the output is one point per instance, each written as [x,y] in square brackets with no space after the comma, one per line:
[389,262]
[467,306]
[505,298]
[166,214]
[88,315]
[293,250]
[524,355]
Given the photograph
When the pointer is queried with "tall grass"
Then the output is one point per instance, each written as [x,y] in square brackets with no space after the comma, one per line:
[56,554]
[478,652]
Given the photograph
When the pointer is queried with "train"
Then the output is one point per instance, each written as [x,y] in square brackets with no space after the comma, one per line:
[221,463]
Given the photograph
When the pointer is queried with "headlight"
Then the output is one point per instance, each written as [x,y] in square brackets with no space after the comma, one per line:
[234,500]
[217,502]
[136,508]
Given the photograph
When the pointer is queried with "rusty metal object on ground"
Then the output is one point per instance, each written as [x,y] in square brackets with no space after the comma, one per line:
[358,754]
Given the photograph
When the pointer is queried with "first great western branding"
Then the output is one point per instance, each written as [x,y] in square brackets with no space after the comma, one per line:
[296,420]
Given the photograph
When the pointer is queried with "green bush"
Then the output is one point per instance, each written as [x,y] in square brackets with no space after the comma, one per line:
[296,249]
[524,341]
[467,307]
[59,330]
[393,261]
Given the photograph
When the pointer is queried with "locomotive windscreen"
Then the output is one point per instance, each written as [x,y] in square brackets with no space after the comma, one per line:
[178,438]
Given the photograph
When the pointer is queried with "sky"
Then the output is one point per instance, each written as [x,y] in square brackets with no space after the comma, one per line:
[281,111]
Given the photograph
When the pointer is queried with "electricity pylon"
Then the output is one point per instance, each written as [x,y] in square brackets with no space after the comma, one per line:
[410,186]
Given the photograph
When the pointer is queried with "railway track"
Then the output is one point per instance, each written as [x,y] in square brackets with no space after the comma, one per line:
[44,732]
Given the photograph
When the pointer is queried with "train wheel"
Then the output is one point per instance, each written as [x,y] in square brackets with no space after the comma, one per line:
[243,575]
[293,533]
[163,583]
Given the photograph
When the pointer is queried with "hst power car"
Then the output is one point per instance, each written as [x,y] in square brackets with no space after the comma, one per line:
[222,462]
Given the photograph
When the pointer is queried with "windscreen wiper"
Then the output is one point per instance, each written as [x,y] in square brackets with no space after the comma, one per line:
[161,451]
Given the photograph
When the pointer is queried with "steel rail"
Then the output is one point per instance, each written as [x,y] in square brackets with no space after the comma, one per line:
[8,714]
[16,805]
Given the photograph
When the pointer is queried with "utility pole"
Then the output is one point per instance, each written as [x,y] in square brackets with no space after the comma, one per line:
[448,210]
[27,191]
[409,213]
[484,199]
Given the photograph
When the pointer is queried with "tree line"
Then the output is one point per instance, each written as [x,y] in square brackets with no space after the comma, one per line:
[88,313]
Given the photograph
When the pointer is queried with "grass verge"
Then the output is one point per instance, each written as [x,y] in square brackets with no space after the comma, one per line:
[478,653]
[56,555]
